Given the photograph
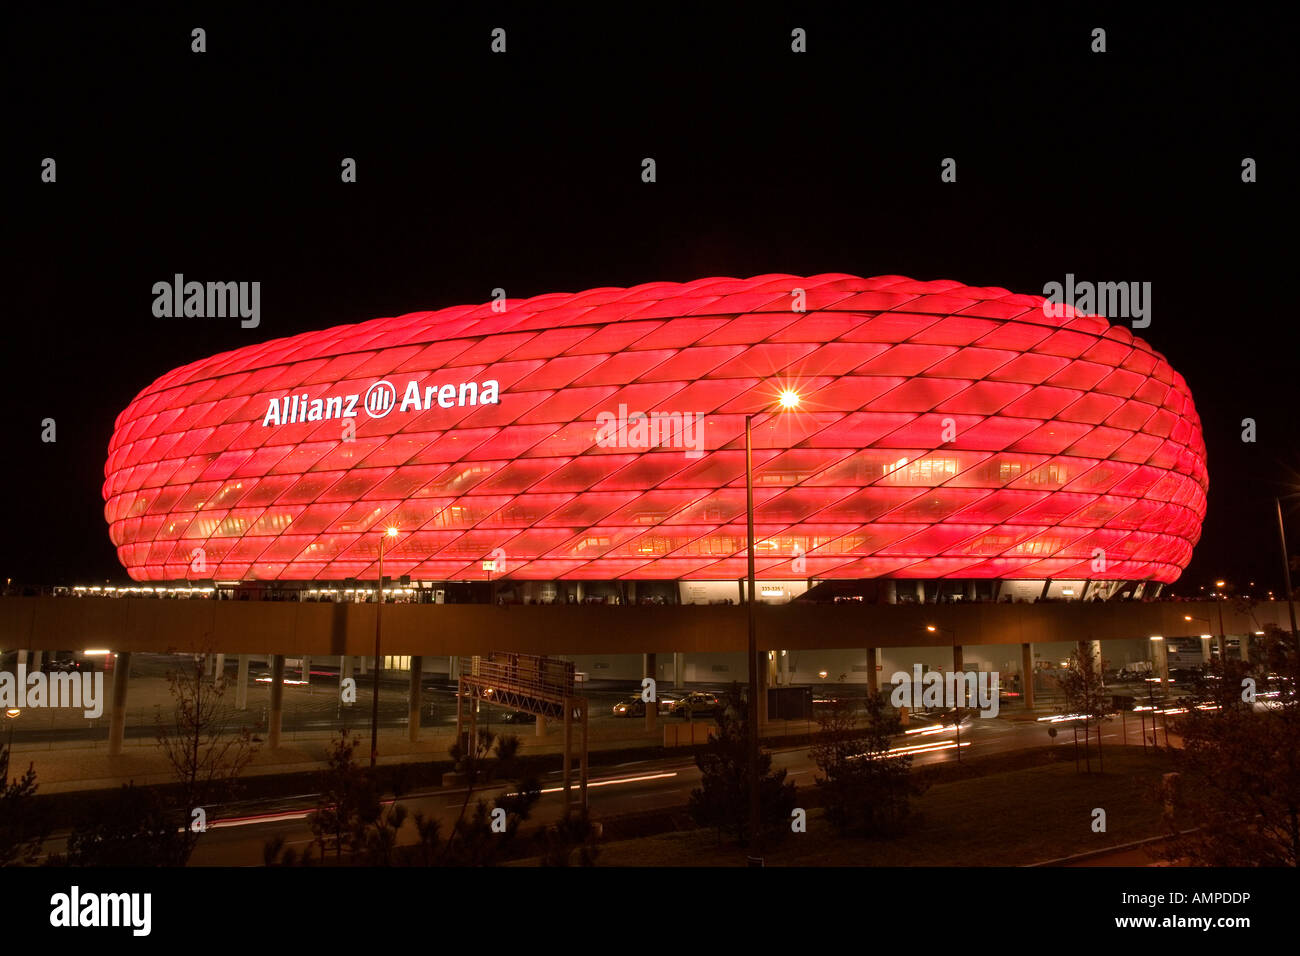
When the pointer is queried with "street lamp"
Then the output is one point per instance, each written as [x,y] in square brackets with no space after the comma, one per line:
[1286,573]
[957,708]
[374,702]
[788,399]
[1221,639]
[10,715]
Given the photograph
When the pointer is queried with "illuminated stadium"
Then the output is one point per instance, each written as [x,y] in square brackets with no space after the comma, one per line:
[937,431]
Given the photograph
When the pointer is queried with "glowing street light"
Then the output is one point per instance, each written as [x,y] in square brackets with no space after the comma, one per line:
[1221,640]
[391,532]
[788,400]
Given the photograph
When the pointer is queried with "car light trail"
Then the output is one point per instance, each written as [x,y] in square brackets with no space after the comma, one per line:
[610,783]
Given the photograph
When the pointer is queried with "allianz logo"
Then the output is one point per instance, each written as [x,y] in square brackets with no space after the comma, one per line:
[380,399]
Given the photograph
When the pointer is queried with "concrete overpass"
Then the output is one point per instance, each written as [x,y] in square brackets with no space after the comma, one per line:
[292,627]
[278,629]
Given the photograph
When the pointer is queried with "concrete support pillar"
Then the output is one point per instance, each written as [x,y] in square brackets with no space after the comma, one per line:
[345,671]
[413,724]
[762,688]
[361,663]
[306,671]
[1160,657]
[219,669]
[649,667]
[277,701]
[958,666]
[21,659]
[37,658]
[679,670]
[541,726]
[1097,664]
[1243,648]
[785,668]
[873,670]
[1027,674]
[117,720]
[241,684]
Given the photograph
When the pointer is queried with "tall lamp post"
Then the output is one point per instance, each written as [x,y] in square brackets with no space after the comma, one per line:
[12,714]
[956,716]
[379,609]
[1286,568]
[788,399]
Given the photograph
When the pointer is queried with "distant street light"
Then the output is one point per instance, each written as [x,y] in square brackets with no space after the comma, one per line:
[374,703]
[788,399]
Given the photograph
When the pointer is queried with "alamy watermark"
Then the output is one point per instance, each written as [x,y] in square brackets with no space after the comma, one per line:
[934,689]
[208,300]
[85,691]
[652,430]
[75,909]
[1114,300]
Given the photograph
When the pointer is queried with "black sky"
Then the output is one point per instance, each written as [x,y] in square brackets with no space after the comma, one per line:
[522,171]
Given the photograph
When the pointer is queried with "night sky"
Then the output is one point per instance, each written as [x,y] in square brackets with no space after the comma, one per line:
[522,171]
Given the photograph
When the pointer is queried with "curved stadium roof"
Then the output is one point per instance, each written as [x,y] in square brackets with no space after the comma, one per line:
[942,430]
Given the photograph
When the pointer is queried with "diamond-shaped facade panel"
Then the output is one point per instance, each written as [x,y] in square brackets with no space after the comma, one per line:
[940,430]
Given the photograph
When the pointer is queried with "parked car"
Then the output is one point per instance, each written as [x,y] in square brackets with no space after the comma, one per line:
[634,706]
[698,704]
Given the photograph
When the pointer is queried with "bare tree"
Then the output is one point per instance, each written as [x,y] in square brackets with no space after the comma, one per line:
[203,747]
[1085,694]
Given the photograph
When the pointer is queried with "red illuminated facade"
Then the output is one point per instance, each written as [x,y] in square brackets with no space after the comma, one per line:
[942,431]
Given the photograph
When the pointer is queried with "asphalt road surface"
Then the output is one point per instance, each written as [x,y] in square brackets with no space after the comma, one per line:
[624,788]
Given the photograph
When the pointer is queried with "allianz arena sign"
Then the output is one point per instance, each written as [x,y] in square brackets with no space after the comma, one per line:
[380,399]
